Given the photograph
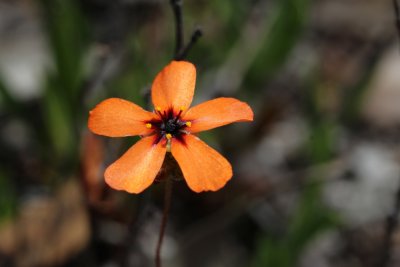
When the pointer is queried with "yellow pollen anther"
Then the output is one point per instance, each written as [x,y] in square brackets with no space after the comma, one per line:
[158,108]
[148,125]
[168,136]
[188,124]
[182,108]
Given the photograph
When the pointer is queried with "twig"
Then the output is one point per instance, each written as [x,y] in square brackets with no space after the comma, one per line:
[177,9]
[167,205]
[181,51]
[195,36]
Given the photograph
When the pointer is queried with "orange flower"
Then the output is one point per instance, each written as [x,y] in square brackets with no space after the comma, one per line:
[170,128]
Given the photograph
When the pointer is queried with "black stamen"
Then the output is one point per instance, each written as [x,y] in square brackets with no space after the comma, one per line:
[159,113]
[178,116]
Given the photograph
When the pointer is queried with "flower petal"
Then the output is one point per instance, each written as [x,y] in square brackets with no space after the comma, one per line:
[174,86]
[203,168]
[115,117]
[217,112]
[138,167]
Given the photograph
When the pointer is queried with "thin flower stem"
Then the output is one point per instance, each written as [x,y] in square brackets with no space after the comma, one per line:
[180,50]
[177,8]
[167,204]
[195,36]
[180,53]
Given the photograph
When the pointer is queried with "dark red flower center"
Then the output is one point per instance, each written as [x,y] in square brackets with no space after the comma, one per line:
[168,125]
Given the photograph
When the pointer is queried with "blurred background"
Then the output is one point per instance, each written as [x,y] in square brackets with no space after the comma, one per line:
[316,175]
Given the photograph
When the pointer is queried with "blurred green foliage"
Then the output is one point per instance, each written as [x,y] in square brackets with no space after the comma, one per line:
[7,198]
[7,100]
[57,119]
[288,22]
[63,91]
[311,218]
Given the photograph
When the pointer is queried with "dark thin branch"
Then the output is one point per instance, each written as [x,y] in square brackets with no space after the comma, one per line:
[177,9]
[195,36]
[167,205]
[181,51]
